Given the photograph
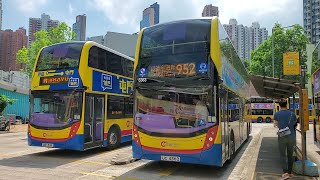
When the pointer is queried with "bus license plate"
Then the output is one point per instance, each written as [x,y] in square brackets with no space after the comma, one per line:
[170,158]
[48,145]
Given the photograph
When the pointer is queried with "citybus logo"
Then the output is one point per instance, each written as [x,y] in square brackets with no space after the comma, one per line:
[46,135]
[166,144]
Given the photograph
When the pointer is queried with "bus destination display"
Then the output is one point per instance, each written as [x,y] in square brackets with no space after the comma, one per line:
[170,70]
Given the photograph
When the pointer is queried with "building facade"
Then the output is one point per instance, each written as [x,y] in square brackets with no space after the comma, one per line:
[97,39]
[79,27]
[209,11]
[311,19]
[150,16]
[37,24]
[11,43]
[245,39]
[123,43]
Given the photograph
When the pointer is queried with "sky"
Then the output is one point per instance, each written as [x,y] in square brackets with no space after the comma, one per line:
[124,15]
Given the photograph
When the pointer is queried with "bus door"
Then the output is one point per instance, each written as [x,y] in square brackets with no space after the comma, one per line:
[224,114]
[94,120]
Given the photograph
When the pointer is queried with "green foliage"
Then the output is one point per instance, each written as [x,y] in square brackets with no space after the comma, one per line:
[4,101]
[62,33]
[289,40]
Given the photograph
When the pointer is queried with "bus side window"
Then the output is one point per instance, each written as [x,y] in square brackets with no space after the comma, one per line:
[93,57]
[115,107]
[128,107]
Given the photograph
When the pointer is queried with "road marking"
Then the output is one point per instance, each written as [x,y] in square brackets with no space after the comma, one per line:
[167,171]
[99,175]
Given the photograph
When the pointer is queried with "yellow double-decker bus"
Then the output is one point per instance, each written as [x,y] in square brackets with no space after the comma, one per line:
[190,93]
[262,109]
[80,97]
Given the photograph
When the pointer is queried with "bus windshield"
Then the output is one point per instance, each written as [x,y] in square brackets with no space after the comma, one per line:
[179,111]
[56,109]
[59,56]
[178,49]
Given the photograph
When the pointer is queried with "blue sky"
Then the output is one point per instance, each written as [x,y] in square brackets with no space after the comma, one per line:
[124,15]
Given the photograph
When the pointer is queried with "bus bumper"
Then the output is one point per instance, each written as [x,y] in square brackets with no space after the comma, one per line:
[75,143]
[211,157]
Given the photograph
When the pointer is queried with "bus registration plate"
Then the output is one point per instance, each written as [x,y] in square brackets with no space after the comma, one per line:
[48,145]
[170,158]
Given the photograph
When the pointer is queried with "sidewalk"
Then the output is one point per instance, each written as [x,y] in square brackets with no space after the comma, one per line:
[268,162]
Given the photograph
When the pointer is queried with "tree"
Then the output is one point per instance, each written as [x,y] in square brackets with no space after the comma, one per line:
[62,33]
[289,40]
[4,101]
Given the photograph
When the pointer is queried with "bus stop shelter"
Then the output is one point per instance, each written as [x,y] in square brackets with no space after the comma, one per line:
[277,88]
[274,88]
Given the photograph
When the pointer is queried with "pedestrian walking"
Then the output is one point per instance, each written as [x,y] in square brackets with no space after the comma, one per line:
[286,121]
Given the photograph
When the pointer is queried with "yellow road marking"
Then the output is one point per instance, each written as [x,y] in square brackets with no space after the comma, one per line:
[168,170]
[96,174]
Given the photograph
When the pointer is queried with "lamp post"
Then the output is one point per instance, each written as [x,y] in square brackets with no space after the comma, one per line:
[273,47]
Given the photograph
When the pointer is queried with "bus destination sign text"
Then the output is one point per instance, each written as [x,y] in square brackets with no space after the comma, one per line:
[169,70]
[54,80]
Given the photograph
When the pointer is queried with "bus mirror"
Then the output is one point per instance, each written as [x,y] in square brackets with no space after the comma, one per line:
[220,80]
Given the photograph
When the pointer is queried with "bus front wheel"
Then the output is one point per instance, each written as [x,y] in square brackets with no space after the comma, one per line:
[259,119]
[114,138]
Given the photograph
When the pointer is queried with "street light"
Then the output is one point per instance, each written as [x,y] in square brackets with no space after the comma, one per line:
[273,47]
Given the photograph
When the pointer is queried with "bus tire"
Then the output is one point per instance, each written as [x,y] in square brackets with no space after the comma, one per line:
[114,137]
[259,120]
[268,120]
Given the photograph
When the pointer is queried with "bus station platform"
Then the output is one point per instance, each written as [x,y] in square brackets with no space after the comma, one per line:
[268,162]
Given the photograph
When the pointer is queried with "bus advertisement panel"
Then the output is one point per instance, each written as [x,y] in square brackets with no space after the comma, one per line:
[189,95]
[80,97]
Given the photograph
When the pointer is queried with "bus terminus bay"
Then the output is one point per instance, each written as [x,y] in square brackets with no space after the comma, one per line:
[187,76]
[80,97]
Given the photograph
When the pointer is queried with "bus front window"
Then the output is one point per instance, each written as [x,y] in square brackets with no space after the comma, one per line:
[178,112]
[56,109]
[59,56]
[178,50]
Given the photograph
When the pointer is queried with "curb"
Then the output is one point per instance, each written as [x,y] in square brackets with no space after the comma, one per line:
[126,160]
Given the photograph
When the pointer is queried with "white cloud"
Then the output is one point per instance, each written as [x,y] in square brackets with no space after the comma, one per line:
[127,15]
[28,6]
[70,8]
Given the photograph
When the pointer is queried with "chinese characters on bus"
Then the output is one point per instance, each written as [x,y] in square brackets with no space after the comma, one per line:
[187,69]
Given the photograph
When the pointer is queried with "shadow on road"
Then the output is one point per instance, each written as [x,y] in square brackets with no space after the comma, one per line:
[53,158]
[161,169]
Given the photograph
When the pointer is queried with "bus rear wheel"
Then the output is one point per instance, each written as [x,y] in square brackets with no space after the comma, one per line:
[259,120]
[114,138]
[268,120]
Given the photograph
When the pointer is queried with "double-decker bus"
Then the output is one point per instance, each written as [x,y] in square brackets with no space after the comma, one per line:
[316,102]
[80,97]
[262,109]
[190,94]
[296,107]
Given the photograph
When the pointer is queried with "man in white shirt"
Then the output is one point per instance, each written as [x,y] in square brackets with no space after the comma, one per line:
[201,112]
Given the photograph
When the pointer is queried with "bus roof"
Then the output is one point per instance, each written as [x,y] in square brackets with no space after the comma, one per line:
[96,44]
